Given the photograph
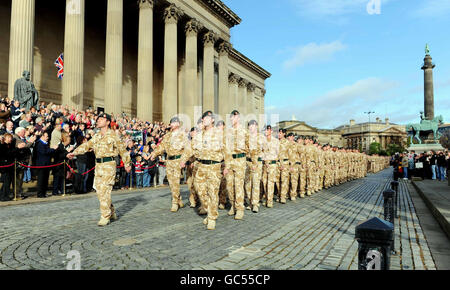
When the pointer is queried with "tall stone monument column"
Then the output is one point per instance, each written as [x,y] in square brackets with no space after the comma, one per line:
[73,80]
[192,98]
[114,58]
[428,67]
[224,99]
[21,41]
[145,61]
[170,89]
[208,71]
[262,104]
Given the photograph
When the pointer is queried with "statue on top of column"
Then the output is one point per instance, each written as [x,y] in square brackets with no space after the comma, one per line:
[25,92]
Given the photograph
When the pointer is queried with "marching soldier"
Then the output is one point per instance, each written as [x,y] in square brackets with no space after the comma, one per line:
[107,146]
[223,192]
[208,146]
[302,167]
[271,151]
[311,167]
[173,144]
[236,144]
[284,164]
[295,163]
[254,165]
[190,173]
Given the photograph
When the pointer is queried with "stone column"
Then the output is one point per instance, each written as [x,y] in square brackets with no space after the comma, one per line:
[251,99]
[428,87]
[73,80]
[262,104]
[114,58]
[192,98]
[21,41]
[243,96]
[170,89]
[208,71]
[224,100]
[234,92]
[145,61]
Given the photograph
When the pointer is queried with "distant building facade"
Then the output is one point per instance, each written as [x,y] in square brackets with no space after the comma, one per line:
[351,136]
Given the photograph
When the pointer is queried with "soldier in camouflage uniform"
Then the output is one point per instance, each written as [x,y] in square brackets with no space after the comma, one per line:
[190,173]
[107,146]
[302,167]
[271,151]
[295,163]
[284,164]
[223,192]
[254,165]
[208,145]
[173,144]
[236,144]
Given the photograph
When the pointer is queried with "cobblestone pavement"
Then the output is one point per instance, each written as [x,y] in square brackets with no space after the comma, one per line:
[313,233]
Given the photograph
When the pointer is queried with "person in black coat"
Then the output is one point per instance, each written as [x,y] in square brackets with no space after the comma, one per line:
[7,156]
[43,158]
[59,157]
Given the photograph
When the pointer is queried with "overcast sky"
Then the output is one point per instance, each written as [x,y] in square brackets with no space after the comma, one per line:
[331,60]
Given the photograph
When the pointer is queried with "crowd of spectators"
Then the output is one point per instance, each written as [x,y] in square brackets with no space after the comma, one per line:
[43,136]
[429,165]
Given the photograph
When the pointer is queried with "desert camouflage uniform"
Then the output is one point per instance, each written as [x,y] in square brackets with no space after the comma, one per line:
[108,145]
[174,144]
[236,145]
[271,150]
[208,147]
[284,167]
[294,168]
[253,177]
[321,168]
[302,169]
[310,168]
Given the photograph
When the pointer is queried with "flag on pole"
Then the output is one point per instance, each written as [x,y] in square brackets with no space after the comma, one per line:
[59,63]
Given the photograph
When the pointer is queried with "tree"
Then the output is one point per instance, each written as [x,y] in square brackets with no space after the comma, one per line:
[394,148]
[375,148]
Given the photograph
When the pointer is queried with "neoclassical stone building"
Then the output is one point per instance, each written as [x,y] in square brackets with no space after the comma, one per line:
[150,58]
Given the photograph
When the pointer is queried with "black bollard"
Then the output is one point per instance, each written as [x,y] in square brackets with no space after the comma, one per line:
[394,186]
[374,244]
[388,205]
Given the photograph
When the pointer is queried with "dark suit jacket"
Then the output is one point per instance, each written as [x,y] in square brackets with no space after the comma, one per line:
[43,153]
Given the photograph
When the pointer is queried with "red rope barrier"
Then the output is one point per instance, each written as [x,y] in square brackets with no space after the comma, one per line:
[5,166]
[40,167]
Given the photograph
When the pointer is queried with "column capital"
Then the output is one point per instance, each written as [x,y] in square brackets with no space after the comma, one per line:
[233,78]
[172,14]
[224,48]
[251,87]
[145,4]
[209,38]
[192,27]
[263,92]
[243,83]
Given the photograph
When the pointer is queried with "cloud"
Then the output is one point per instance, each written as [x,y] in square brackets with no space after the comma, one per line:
[338,106]
[313,53]
[326,8]
[431,9]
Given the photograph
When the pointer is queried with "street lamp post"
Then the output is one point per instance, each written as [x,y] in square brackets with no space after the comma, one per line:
[369,113]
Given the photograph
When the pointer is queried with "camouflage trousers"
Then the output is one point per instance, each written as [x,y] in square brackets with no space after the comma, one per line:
[105,174]
[173,176]
[207,183]
[284,173]
[235,182]
[190,174]
[294,176]
[328,179]
[270,175]
[320,178]
[311,176]
[302,175]
[223,192]
[253,182]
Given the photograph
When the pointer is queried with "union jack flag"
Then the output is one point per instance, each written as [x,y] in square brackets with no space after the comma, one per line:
[59,63]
